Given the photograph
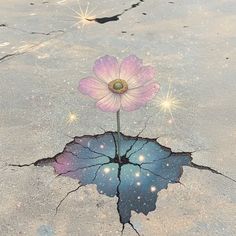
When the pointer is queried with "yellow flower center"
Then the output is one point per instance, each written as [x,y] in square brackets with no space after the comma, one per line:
[118,86]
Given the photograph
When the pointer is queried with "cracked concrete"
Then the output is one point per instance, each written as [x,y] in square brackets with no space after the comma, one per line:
[192,45]
[158,159]
[103,20]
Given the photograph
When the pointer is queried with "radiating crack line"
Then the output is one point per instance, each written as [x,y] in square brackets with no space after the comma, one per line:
[93,150]
[118,196]
[134,228]
[72,191]
[29,49]
[138,149]
[81,168]
[23,165]
[118,202]
[11,55]
[114,140]
[80,158]
[200,167]
[137,137]
[153,173]
[103,20]
[95,176]
[32,32]
[151,162]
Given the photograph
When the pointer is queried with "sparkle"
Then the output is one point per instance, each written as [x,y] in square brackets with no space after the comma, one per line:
[138,183]
[141,158]
[72,117]
[106,170]
[101,146]
[83,16]
[137,174]
[153,189]
[168,103]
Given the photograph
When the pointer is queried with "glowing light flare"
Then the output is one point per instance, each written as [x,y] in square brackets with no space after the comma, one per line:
[137,174]
[83,16]
[72,117]
[106,170]
[153,189]
[168,103]
[141,158]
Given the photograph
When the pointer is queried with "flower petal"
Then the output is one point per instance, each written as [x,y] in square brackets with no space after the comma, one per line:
[106,68]
[109,103]
[129,67]
[145,75]
[138,97]
[93,88]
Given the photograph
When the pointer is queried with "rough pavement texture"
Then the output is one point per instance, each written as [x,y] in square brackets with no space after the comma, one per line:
[43,54]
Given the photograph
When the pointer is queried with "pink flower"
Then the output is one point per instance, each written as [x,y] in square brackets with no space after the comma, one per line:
[127,86]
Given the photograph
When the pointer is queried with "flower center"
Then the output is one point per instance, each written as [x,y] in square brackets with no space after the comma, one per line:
[118,86]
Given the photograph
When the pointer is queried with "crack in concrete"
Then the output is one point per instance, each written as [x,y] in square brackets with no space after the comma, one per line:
[81,168]
[201,167]
[103,20]
[118,203]
[138,135]
[88,158]
[10,55]
[92,150]
[123,215]
[64,198]
[32,32]
[31,47]
[131,154]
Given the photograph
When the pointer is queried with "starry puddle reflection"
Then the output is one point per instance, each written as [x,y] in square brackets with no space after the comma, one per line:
[146,167]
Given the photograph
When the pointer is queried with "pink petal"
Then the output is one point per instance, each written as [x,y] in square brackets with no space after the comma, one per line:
[145,75]
[109,103]
[106,68]
[129,67]
[138,97]
[93,88]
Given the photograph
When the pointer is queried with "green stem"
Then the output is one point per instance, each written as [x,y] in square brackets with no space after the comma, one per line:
[118,134]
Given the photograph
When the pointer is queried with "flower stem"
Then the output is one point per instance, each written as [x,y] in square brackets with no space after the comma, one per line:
[118,134]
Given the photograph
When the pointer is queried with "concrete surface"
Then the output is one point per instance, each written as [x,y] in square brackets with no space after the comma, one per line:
[192,43]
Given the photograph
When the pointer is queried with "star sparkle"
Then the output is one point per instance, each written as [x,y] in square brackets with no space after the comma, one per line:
[137,174]
[72,117]
[106,170]
[168,104]
[83,16]
[153,189]
[141,158]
